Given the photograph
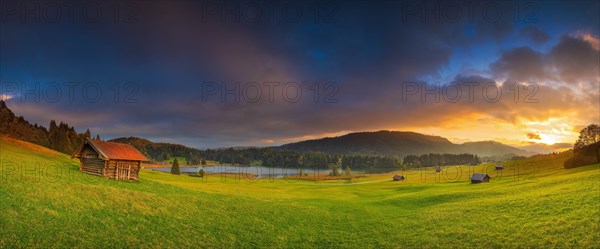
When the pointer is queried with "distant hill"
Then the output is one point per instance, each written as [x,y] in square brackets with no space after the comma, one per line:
[492,148]
[399,143]
[381,143]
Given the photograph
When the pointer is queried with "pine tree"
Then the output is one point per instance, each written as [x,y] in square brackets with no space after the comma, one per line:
[53,135]
[175,168]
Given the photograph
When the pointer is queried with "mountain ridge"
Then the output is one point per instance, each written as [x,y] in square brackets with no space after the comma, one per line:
[399,143]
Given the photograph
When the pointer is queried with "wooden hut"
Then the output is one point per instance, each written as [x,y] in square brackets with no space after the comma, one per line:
[398,178]
[479,178]
[499,167]
[107,159]
[438,169]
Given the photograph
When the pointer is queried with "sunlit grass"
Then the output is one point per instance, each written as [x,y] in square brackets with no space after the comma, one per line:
[60,207]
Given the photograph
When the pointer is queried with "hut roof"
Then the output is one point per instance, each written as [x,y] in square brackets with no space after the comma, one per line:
[398,177]
[479,177]
[111,150]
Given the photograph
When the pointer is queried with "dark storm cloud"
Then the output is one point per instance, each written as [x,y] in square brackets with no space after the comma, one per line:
[535,34]
[576,60]
[522,64]
[172,51]
[367,51]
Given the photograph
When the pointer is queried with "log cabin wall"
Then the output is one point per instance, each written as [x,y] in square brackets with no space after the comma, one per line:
[90,162]
[122,169]
[89,152]
[135,172]
[93,166]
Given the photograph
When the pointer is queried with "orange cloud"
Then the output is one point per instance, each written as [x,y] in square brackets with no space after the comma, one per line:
[533,136]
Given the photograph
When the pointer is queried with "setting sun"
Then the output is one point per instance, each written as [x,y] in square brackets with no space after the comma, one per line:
[548,139]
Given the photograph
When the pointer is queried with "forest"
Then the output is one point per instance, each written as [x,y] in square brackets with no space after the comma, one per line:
[61,137]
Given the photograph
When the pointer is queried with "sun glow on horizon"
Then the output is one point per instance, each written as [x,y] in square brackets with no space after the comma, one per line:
[548,139]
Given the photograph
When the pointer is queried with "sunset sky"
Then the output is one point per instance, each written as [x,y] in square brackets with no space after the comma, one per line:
[361,67]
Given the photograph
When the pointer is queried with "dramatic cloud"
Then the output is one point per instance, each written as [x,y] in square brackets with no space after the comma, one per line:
[5,97]
[521,64]
[573,61]
[576,59]
[533,136]
[593,41]
[535,34]
[353,72]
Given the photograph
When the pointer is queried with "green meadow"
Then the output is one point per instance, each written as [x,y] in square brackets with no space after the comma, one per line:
[46,202]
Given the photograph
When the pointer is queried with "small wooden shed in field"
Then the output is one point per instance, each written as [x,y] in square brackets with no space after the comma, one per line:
[499,167]
[438,169]
[398,178]
[479,178]
[111,160]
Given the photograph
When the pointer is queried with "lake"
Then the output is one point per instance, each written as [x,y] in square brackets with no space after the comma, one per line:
[259,171]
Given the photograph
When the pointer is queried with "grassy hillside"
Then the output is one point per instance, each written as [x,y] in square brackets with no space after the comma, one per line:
[46,202]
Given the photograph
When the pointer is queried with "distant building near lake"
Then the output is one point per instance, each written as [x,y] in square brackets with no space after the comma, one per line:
[398,178]
[479,178]
[111,160]
[499,167]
